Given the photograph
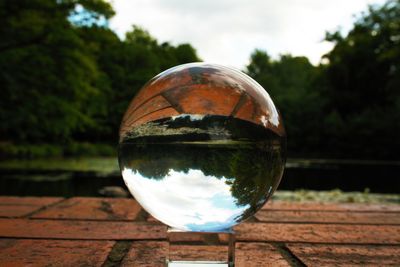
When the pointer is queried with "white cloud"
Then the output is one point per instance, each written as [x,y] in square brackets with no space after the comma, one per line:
[227,31]
[183,200]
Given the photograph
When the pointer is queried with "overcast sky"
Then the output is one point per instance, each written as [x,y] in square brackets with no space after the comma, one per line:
[228,31]
[186,200]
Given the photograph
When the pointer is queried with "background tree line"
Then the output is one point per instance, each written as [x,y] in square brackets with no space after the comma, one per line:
[349,106]
[66,79]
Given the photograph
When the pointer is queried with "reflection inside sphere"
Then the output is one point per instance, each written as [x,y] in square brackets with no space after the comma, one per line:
[202,147]
[203,185]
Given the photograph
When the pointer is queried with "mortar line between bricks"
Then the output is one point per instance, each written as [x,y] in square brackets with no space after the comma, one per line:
[143,216]
[336,223]
[317,243]
[18,204]
[342,244]
[117,253]
[140,219]
[138,222]
[345,244]
[44,207]
[333,211]
[237,241]
[288,255]
[61,239]
[85,239]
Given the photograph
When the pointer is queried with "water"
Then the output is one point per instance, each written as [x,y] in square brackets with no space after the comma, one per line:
[23,180]
[197,178]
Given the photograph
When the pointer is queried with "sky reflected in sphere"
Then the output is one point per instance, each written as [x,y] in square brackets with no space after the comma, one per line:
[207,198]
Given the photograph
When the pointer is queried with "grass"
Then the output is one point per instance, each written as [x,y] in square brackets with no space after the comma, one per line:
[335,196]
[96,164]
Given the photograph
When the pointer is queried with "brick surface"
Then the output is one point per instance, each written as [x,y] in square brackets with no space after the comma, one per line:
[202,99]
[156,103]
[319,233]
[152,219]
[155,87]
[80,229]
[245,108]
[93,209]
[146,254]
[156,115]
[345,255]
[23,206]
[20,252]
[17,210]
[257,255]
[198,253]
[316,234]
[28,201]
[328,217]
[207,238]
[281,205]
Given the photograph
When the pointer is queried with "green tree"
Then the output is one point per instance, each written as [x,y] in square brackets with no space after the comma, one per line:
[66,76]
[364,81]
[292,84]
[46,73]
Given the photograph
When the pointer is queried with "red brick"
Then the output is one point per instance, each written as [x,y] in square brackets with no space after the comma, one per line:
[246,109]
[159,114]
[92,209]
[156,87]
[16,210]
[189,236]
[29,201]
[346,255]
[152,219]
[257,255]
[282,205]
[203,99]
[63,229]
[53,252]
[198,253]
[328,217]
[319,233]
[154,104]
[146,254]
[22,206]
[198,237]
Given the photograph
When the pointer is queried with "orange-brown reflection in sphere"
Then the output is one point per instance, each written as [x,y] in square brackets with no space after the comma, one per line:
[200,88]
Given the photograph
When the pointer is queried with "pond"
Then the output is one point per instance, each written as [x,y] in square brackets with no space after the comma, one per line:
[87,176]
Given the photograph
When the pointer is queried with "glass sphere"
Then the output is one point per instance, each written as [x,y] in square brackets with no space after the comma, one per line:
[202,147]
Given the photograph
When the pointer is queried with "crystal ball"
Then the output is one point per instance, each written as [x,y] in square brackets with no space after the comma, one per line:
[202,147]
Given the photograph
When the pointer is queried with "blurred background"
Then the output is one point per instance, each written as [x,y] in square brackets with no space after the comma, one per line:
[69,68]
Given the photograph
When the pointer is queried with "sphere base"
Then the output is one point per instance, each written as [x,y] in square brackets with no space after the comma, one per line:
[196,242]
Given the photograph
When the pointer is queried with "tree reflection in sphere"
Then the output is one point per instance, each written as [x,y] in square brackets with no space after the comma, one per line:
[202,147]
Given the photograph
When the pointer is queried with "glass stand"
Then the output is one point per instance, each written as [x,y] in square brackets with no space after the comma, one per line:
[196,241]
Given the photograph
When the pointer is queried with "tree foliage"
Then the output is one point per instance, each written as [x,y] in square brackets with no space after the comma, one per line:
[291,82]
[64,75]
[349,107]
[46,73]
[363,78]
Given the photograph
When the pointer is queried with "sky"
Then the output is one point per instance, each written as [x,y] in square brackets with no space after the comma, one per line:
[187,201]
[228,31]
